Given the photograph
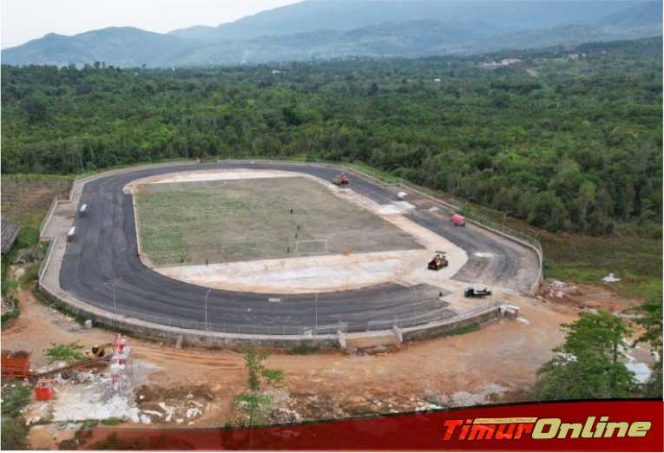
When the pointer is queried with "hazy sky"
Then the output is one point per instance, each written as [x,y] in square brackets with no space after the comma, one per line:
[23,20]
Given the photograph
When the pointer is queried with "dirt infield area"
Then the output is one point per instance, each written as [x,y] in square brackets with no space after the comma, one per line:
[242,220]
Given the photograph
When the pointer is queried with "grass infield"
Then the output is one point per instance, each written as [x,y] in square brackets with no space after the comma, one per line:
[244,220]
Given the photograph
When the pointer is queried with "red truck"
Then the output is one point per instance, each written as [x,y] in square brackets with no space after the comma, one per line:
[457,220]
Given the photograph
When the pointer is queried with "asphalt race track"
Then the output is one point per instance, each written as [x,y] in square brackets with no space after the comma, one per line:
[101,267]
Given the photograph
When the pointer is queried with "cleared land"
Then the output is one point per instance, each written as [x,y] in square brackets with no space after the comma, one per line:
[27,198]
[502,356]
[243,220]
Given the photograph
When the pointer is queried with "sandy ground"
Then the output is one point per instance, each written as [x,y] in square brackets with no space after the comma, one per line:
[586,296]
[499,359]
[318,273]
[211,175]
[321,273]
[303,274]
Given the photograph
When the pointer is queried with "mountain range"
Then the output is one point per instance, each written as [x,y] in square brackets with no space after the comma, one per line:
[327,29]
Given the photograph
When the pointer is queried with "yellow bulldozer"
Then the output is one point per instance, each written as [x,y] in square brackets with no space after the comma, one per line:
[438,262]
[98,351]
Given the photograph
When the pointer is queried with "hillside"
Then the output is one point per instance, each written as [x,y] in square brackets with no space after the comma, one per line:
[118,46]
[345,15]
[343,29]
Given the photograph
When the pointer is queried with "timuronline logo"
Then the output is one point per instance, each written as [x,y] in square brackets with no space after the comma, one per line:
[512,428]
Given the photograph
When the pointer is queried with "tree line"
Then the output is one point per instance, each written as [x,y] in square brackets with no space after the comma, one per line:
[569,140]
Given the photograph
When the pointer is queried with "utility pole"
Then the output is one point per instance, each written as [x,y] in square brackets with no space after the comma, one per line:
[535,233]
[412,290]
[505,214]
[205,299]
[316,313]
[115,282]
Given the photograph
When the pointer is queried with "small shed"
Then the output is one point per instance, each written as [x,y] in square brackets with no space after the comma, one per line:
[10,232]
[457,219]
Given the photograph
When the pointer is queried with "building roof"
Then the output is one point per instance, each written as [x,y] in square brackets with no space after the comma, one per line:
[10,232]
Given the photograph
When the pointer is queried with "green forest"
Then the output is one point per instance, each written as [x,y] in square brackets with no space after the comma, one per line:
[568,140]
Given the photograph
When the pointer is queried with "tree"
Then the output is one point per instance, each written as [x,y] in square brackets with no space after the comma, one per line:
[585,198]
[574,154]
[255,402]
[652,325]
[291,115]
[589,363]
[14,435]
[547,210]
[35,108]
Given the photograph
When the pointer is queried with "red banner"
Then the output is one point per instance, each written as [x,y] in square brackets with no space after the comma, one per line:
[634,425]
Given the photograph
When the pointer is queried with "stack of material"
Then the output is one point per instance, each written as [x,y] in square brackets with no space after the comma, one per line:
[15,363]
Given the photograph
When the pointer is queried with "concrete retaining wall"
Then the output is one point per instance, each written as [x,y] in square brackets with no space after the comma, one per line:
[436,330]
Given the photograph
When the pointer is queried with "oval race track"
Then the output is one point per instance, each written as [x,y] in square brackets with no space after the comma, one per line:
[101,267]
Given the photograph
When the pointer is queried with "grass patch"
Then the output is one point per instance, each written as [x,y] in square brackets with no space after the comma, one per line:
[582,259]
[106,168]
[10,284]
[65,352]
[7,260]
[14,435]
[89,424]
[380,174]
[9,288]
[361,411]
[9,315]
[14,398]
[383,175]
[113,421]
[47,300]
[226,221]
[26,198]
[30,275]
[80,319]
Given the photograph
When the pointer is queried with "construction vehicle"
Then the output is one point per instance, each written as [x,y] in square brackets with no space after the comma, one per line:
[44,389]
[340,180]
[476,293]
[457,220]
[98,351]
[438,262]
